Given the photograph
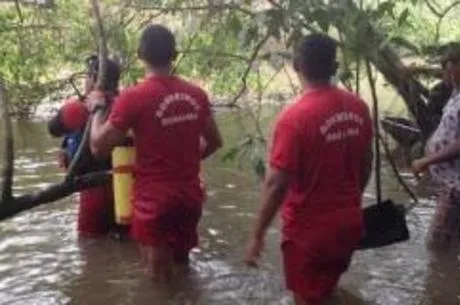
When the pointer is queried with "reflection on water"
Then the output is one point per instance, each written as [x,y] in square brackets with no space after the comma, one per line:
[43,262]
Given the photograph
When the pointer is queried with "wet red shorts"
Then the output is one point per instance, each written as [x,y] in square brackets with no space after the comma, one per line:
[313,279]
[170,217]
[95,216]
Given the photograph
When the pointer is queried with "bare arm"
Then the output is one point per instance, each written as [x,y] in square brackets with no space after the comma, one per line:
[104,136]
[447,154]
[212,138]
[274,189]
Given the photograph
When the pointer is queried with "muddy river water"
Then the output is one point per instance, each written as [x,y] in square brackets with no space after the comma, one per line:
[42,262]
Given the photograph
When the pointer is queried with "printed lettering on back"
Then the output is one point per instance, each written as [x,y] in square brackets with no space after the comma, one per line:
[343,132]
[190,114]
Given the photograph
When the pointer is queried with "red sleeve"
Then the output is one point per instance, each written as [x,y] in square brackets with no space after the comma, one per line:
[124,114]
[284,151]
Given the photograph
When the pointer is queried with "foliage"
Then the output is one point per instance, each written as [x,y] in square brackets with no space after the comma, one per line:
[236,48]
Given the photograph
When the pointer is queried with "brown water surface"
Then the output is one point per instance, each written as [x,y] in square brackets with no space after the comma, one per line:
[42,262]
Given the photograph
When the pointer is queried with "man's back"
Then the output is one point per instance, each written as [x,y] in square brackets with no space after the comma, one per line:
[330,130]
[169,116]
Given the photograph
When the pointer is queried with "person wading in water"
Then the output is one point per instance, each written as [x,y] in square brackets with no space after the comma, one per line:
[96,207]
[171,120]
[320,162]
[442,159]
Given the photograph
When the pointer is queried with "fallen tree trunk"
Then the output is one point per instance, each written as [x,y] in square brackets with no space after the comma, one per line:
[52,193]
[11,205]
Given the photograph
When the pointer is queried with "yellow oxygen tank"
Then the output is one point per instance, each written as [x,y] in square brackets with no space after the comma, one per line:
[123,158]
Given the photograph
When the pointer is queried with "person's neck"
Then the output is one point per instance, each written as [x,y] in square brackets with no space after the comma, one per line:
[308,85]
[159,71]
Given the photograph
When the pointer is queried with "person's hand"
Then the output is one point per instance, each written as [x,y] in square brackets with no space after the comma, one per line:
[253,252]
[94,99]
[419,166]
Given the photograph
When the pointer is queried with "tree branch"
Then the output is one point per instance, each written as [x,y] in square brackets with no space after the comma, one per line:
[252,59]
[100,84]
[8,169]
[394,167]
[441,16]
[52,193]
[375,110]
[41,4]
[177,8]
[432,8]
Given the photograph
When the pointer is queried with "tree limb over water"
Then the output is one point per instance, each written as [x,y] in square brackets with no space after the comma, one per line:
[11,205]
[360,31]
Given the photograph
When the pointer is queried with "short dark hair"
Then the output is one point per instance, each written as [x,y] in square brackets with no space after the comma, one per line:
[157,46]
[315,57]
[112,72]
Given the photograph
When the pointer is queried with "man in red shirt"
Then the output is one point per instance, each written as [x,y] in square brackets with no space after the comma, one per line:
[169,117]
[320,162]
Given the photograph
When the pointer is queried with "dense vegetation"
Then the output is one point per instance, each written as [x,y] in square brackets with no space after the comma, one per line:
[238,49]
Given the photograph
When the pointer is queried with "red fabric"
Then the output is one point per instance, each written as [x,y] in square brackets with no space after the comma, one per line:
[167,116]
[73,114]
[326,168]
[313,279]
[95,215]
[170,217]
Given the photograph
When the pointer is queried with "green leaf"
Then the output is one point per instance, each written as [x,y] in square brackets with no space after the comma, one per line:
[384,8]
[321,17]
[403,17]
[231,154]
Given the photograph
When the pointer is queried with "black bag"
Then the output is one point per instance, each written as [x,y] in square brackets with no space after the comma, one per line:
[384,224]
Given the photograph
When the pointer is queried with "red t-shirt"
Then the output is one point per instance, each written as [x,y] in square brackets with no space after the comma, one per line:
[168,117]
[321,140]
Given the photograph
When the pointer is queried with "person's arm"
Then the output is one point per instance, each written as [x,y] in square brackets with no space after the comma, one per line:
[274,188]
[284,161]
[104,136]
[273,192]
[447,154]
[212,138]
